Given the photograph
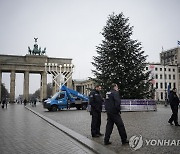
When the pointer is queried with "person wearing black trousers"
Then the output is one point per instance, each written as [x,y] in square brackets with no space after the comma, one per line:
[113,108]
[174,103]
[95,100]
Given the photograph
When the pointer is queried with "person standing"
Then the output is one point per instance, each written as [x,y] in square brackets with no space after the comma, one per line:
[95,100]
[174,103]
[25,102]
[34,102]
[3,103]
[113,109]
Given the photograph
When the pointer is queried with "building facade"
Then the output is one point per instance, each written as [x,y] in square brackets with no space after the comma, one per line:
[83,86]
[164,78]
[170,57]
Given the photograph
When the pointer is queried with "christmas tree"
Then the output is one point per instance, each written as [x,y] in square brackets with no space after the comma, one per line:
[121,60]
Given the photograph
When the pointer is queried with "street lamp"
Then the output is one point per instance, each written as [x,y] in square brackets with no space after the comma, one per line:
[165,84]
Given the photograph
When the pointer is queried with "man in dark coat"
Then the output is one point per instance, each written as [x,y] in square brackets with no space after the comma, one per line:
[95,100]
[113,108]
[174,102]
[25,102]
[3,103]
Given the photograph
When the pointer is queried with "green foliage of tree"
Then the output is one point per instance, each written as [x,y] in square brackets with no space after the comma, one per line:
[36,94]
[121,60]
[4,92]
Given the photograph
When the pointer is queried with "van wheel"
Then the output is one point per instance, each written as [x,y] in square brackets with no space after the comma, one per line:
[54,108]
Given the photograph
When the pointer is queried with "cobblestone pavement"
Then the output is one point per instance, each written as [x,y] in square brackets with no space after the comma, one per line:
[22,132]
[151,125]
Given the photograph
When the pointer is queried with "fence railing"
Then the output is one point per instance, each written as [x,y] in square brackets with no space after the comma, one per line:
[134,105]
[138,105]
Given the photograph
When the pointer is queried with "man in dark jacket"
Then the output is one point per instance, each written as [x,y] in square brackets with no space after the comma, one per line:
[113,108]
[174,102]
[3,103]
[95,100]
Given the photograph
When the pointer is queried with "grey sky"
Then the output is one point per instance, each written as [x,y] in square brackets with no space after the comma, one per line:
[71,28]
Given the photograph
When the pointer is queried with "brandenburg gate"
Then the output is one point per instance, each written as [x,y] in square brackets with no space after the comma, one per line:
[31,63]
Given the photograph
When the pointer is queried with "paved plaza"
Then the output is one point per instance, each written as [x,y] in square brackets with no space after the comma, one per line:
[24,132]
[150,125]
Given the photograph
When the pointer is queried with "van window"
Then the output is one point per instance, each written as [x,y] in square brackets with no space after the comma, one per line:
[60,96]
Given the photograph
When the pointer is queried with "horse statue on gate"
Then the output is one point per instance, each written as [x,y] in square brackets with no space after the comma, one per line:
[36,50]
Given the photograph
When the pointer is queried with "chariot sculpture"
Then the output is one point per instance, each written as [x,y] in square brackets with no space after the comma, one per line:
[36,50]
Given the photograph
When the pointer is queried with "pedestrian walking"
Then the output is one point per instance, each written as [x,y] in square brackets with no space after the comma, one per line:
[34,103]
[25,102]
[6,103]
[174,103]
[113,109]
[3,103]
[96,100]
[30,102]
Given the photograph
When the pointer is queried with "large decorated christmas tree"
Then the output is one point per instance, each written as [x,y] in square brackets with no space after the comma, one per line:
[121,60]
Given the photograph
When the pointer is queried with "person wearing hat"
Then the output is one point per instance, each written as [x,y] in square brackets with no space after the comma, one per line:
[95,100]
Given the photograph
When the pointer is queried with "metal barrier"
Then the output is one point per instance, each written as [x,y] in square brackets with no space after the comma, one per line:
[138,105]
[134,105]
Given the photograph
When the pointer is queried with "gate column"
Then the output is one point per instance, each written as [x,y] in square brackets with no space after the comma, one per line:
[26,86]
[69,83]
[53,86]
[12,87]
[43,93]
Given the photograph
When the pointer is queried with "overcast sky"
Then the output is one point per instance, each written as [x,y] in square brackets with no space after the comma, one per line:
[71,28]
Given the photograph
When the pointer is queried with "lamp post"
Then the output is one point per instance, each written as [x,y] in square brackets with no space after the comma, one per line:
[165,84]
